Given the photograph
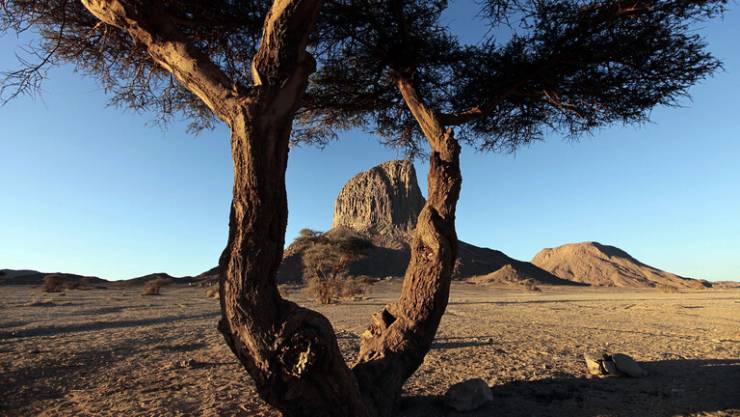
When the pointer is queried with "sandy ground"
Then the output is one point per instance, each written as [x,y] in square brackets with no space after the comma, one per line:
[116,353]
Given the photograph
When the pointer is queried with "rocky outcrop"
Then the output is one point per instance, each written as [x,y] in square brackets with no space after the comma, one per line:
[381,205]
[383,200]
[607,266]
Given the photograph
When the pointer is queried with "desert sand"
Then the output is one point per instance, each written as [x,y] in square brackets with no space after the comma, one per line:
[115,352]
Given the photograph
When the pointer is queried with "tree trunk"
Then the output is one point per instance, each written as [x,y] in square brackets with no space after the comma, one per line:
[290,352]
[401,334]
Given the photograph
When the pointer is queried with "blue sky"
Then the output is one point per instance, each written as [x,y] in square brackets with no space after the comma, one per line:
[96,190]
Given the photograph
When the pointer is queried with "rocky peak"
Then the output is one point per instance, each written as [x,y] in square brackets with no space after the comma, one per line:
[385,199]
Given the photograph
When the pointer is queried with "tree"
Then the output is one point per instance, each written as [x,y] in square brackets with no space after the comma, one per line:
[326,261]
[392,67]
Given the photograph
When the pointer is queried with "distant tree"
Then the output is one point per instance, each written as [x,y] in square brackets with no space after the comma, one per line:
[326,265]
[392,67]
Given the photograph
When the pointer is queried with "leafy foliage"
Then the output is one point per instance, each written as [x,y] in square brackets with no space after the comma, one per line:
[569,65]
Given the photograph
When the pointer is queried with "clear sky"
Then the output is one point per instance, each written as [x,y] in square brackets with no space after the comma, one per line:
[90,189]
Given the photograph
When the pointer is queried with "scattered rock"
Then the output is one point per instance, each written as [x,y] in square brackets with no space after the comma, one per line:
[468,395]
[615,365]
[628,365]
[594,364]
[611,368]
[191,364]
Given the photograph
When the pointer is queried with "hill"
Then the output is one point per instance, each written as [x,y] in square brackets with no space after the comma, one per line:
[607,266]
[31,277]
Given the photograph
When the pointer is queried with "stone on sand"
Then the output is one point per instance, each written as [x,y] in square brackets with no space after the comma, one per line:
[627,365]
[593,363]
[468,395]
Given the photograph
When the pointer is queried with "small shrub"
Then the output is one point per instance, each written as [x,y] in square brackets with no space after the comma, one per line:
[669,289]
[331,290]
[325,291]
[530,286]
[153,287]
[457,269]
[72,285]
[354,287]
[53,283]
[326,261]
[213,293]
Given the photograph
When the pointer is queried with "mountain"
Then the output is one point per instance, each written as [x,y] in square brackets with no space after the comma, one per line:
[607,266]
[381,205]
[31,277]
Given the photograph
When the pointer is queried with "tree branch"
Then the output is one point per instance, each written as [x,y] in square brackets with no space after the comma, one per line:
[154,28]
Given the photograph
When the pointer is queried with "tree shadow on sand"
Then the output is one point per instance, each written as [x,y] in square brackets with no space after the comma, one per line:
[99,326]
[673,388]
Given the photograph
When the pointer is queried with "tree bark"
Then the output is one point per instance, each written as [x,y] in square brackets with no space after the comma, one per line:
[291,352]
[401,334]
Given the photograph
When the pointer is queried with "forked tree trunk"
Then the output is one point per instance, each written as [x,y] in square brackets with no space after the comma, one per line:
[292,352]
[401,334]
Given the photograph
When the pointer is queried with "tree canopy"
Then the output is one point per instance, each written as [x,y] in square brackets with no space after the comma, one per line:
[563,65]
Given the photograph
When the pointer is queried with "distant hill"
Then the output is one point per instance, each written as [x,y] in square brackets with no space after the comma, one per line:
[607,266]
[162,276]
[31,277]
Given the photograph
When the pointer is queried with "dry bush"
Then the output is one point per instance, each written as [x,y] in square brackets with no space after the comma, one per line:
[530,286]
[326,291]
[669,289]
[332,290]
[153,287]
[53,283]
[354,287]
[326,260]
[457,269]
[72,285]
[212,292]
